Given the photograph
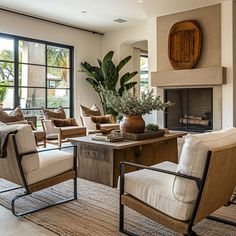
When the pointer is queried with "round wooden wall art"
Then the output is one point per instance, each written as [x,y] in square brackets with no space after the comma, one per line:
[184,46]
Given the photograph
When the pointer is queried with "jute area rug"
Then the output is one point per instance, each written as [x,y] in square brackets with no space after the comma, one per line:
[96,213]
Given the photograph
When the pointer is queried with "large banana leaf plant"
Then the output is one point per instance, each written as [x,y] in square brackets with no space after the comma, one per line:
[105,77]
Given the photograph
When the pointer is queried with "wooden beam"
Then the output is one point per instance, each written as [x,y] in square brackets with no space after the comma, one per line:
[191,77]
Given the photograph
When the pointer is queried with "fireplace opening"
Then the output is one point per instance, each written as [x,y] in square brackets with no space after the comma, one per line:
[192,110]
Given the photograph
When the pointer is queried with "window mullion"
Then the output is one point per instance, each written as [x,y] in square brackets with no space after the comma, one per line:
[16,73]
[46,74]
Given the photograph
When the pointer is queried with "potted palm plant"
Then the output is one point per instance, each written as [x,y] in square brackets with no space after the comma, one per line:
[3,93]
[133,107]
[105,78]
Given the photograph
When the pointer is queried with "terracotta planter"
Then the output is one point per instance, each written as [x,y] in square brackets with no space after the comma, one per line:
[132,124]
[1,105]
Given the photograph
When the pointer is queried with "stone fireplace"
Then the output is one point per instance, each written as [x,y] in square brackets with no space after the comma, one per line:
[189,88]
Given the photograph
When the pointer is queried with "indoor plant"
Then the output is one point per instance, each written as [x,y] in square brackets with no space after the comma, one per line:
[132,108]
[3,93]
[105,77]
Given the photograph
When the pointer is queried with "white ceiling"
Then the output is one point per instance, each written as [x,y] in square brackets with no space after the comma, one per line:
[101,13]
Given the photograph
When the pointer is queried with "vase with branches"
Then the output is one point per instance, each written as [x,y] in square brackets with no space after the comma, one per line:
[132,107]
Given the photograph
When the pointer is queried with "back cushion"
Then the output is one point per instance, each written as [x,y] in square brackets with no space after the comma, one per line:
[14,116]
[64,122]
[93,111]
[26,143]
[105,119]
[193,158]
[49,114]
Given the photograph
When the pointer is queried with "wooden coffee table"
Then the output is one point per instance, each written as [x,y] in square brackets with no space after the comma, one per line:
[99,161]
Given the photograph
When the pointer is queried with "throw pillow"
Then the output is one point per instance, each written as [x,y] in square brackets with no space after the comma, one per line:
[64,122]
[49,114]
[93,111]
[14,116]
[105,119]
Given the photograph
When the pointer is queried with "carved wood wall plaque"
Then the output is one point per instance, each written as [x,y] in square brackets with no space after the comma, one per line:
[184,44]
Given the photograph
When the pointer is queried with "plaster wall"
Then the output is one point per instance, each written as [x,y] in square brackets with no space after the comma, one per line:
[87,47]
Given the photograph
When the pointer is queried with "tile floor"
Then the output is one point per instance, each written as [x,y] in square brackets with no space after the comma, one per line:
[11,225]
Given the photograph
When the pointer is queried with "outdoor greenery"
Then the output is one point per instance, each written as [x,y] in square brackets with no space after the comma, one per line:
[6,68]
[3,91]
[104,78]
[130,104]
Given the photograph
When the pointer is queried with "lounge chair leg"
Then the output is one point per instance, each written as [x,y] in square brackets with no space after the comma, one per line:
[190,233]
[121,218]
[45,207]
[75,188]
[10,189]
[221,220]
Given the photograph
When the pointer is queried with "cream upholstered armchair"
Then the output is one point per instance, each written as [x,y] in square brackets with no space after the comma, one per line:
[57,126]
[93,120]
[180,195]
[61,133]
[34,170]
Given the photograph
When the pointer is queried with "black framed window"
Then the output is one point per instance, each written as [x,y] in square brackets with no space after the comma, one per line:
[143,72]
[35,74]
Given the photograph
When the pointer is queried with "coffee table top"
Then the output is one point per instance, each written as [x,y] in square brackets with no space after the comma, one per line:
[125,143]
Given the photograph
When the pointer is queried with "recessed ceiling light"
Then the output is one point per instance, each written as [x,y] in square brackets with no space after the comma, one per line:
[84,12]
[140,1]
[119,20]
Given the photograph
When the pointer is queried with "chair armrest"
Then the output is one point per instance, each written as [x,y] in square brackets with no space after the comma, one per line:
[88,123]
[49,127]
[122,173]
[46,150]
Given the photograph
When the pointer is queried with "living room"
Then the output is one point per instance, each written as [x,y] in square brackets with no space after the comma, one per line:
[178,55]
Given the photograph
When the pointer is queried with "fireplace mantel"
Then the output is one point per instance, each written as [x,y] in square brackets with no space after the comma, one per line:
[192,77]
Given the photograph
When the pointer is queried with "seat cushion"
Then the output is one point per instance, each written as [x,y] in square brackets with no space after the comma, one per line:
[193,158]
[155,189]
[51,163]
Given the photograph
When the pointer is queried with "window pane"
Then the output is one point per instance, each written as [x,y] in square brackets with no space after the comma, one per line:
[58,97]
[31,75]
[58,56]
[30,52]
[32,97]
[7,97]
[7,73]
[57,78]
[143,74]
[6,49]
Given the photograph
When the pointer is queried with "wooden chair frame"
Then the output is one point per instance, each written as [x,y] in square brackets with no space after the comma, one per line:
[29,189]
[205,187]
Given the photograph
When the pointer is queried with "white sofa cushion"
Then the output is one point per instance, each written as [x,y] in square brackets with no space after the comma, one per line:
[193,158]
[26,143]
[155,189]
[51,163]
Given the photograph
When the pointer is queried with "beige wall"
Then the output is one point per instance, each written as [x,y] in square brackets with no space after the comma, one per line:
[87,46]
[210,23]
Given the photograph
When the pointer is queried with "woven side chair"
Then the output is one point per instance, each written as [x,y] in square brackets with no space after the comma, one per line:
[213,190]
[34,169]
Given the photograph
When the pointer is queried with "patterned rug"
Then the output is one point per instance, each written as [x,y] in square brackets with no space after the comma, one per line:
[96,213]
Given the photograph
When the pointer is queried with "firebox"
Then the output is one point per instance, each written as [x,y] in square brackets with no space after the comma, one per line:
[192,110]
